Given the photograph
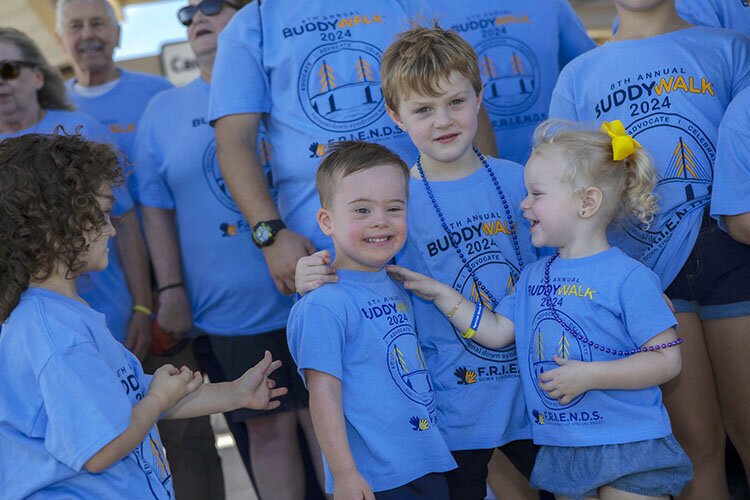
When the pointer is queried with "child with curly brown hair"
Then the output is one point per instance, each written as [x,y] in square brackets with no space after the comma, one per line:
[76,407]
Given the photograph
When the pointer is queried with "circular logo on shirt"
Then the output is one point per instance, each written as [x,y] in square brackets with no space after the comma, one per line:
[215,179]
[495,273]
[548,338]
[685,157]
[511,75]
[407,366]
[339,86]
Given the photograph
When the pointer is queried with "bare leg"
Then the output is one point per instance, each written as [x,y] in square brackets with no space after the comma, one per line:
[607,493]
[693,406]
[506,481]
[728,346]
[275,456]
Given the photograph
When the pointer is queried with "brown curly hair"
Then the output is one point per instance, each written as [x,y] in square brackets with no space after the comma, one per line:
[48,189]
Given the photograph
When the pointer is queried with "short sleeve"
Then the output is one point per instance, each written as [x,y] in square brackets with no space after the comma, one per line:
[732,169]
[740,64]
[84,412]
[507,307]
[316,337]
[153,190]
[239,83]
[645,313]
[563,105]
[574,40]
[698,12]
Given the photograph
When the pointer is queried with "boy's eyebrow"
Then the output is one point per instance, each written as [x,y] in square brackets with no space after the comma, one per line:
[368,200]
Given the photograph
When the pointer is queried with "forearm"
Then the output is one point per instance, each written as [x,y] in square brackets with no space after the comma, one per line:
[161,234]
[206,400]
[484,140]
[132,251]
[144,416]
[327,415]
[738,227]
[494,331]
[641,370]
[236,137]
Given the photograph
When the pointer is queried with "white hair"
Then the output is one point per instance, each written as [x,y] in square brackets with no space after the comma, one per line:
[61,4]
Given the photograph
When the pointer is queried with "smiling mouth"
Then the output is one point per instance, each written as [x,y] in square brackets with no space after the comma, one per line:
[201,33]
[378,239]
[446,138]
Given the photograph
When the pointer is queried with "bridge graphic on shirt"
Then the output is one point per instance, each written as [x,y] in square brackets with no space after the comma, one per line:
[361,92]
[515,79]
[562,351]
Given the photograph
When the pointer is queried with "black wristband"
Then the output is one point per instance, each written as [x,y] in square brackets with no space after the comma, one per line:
[171,285]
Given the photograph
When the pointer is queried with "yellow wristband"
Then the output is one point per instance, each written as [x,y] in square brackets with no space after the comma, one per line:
[469,333]
[142,309]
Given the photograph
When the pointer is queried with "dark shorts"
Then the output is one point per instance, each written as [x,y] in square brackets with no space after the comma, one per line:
[429,487]
[469,480]
[714,281]
[655,467]
[238,353]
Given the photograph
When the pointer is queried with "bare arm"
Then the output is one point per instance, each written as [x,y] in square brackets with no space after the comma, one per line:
[330,428]
[236,138]
[638,371]
[174,315]
[252,390]
[485,138]
[738,227]
[494,330]
[168,386]
[135,265]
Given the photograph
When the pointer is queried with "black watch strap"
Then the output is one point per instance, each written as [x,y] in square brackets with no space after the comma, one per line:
[264,232]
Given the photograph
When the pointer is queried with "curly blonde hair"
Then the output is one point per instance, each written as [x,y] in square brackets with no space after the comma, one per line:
[628,184]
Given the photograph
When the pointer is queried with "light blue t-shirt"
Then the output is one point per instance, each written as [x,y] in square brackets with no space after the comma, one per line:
[478,390]
[313,69]
[521,45]
[68,390]
[611,300]
[732,171]
[361,331]
[225,274]
[121,108]
[670,91]
[106,291]
[731,14]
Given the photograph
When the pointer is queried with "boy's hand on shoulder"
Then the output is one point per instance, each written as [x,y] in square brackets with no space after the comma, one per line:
[566,382]
[255,390]
[170,384]
[350,485]
[423,286]
[313,271]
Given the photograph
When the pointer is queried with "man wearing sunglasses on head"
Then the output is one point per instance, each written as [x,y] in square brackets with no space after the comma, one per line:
[197,236]
[88,32]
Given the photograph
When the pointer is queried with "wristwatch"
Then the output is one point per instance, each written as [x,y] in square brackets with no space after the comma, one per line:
[264,232]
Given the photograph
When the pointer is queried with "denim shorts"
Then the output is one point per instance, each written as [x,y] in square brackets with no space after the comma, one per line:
[714,280]
[654,467]
[429,487]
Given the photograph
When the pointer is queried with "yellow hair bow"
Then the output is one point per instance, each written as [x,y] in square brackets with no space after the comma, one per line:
[623,145]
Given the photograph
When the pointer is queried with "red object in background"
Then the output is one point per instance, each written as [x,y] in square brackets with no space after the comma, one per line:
[162,343]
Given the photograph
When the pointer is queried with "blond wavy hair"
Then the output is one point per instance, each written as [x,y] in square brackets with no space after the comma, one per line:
[628,184]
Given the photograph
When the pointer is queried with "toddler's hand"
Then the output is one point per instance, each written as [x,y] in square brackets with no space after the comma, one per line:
[314,271]
[566,382]
[255,390]
[423,286]
[352,486]
[171,384]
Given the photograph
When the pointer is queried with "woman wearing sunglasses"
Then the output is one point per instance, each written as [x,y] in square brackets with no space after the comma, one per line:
[225,289]
[33,100]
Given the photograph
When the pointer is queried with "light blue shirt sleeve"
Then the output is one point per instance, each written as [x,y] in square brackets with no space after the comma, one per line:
[732,170]
[316,338]
[574,40]
[644,311]
[152,189]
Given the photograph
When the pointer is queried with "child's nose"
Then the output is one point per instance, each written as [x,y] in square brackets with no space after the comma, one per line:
[443,118]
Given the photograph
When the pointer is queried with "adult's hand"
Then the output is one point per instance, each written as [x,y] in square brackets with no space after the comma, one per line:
[282,257]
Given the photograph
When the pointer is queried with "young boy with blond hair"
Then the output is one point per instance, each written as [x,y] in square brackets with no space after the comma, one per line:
[371,398]
[465,229]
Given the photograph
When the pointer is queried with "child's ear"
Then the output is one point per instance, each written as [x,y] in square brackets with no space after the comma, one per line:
[394,116]
[479,99]
[325,222]
[591,201]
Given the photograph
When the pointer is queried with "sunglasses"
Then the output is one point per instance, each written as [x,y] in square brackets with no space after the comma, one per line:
[208,7]
[10,70]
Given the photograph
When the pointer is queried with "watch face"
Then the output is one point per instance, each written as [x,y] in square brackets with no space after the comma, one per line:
[262,234]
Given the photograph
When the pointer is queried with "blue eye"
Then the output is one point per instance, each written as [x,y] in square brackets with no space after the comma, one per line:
[456,102]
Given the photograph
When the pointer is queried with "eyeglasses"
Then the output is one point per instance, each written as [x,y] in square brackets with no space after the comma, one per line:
[10,70]
[208,7]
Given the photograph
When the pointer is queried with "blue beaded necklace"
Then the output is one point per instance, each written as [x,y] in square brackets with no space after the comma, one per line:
[454,244]
[581,338]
